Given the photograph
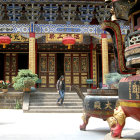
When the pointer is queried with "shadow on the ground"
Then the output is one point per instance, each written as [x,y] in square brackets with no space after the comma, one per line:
[6,123]
[99,130]
[135,136]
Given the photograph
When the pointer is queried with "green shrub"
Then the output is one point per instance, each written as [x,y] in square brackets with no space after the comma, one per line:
[24,79]
[112,79]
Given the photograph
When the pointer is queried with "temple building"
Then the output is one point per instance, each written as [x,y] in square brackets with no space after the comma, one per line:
[37,28]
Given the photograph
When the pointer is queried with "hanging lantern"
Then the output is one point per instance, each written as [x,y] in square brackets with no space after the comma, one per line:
[5,40]
[68,41]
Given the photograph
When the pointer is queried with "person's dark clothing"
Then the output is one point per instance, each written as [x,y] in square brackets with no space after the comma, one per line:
[61,87]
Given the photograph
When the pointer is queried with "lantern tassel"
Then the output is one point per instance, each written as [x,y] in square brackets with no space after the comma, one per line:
[4,45]
[69,46]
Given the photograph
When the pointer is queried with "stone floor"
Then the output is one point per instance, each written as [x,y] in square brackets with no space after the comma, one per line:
[16,125]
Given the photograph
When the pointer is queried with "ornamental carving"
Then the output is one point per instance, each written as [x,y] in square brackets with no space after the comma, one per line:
[16,38]
[118,46]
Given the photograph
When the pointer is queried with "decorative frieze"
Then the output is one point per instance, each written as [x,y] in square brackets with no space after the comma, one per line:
[42,29]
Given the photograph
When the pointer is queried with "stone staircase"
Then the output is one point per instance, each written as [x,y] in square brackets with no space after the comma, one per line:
[45,102]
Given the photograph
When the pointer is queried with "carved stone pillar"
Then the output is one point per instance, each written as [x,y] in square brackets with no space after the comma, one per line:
[105,66]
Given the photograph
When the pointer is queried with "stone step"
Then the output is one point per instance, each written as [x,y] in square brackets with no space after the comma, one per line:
[46,102]
[54,111]
[56,107]
[54,97]
[52,94]
[54,100]
[54,103]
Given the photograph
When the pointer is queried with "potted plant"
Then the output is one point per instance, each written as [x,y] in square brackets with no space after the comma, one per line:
[4,85]
[24,80]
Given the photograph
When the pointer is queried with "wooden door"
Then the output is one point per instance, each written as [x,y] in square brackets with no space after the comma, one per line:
[10,66]
[76,67]
[47,69]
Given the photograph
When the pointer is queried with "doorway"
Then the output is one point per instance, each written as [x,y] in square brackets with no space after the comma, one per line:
[1,66]
[60,64]
[23,61]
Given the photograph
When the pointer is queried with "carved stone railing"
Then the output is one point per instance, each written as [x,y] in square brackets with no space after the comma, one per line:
[132,50]
[132,39]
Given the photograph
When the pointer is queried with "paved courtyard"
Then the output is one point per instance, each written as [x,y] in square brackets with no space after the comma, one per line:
[16,125]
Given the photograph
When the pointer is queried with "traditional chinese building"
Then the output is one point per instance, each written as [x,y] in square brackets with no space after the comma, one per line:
[36,29]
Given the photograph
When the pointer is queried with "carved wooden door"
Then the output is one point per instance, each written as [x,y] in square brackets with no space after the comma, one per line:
[10,66]
[76,67]
[47,69]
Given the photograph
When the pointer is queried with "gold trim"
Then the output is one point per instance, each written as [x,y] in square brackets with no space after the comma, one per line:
[129,104]
[76,74]
[67,73]
[51,54]
[85,74]
[67,54]
[83,54]
[75,54]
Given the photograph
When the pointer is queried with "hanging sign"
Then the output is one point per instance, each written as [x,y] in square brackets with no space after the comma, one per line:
[59,37]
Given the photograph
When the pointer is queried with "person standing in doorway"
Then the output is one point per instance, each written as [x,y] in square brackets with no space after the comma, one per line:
[61,88]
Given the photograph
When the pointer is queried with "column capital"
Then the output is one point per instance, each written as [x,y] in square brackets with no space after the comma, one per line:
[32,35]
[103,35]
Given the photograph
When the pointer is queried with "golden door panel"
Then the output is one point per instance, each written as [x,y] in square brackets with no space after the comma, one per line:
[43,80]
[75,64]
[47,69]
[43,63]
[51,64]
[76,69]
[67,79]
[51,79]
[84,64]
[67,64]
[75,79]
[83,79]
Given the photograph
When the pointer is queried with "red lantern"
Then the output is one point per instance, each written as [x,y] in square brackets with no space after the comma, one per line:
[4,40]
[68,41]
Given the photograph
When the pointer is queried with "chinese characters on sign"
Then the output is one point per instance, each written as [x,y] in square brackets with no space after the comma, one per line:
[97,105]
[59,37]
[134,90]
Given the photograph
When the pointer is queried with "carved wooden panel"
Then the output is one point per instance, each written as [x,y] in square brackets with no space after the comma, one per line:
[47,69]
[76,68]
[67,64]
[10,66]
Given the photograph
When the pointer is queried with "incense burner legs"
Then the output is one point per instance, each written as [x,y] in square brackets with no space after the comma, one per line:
[117,122]
[85,119]
[98,106]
